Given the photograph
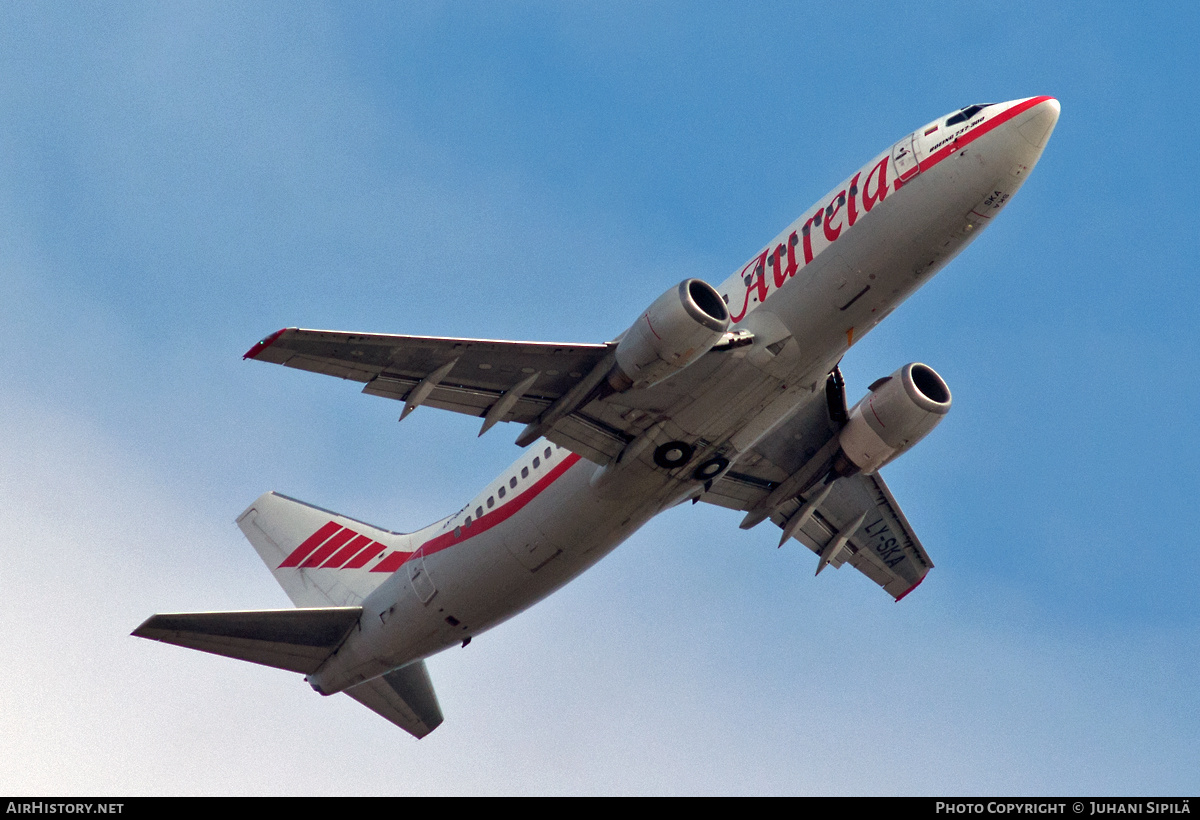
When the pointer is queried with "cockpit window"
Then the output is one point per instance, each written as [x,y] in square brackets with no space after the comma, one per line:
[966,113]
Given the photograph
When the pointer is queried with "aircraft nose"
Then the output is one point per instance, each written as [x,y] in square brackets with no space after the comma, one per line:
[1039,122]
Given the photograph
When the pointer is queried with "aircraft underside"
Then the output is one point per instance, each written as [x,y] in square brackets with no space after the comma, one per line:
[726,394]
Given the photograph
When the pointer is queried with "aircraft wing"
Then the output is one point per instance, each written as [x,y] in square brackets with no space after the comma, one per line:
[856,521]
[495,380]
[556,390]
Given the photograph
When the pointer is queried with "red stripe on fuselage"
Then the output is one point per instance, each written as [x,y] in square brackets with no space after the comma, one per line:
[975,133]
[756,285]
[311,543]
[483,524]
[392,562]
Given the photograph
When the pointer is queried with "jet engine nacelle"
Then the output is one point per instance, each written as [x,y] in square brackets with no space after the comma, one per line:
[679,327]
[899,411]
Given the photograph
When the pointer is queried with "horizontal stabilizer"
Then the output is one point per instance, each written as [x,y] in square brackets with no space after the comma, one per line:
[298,640]
[405,697]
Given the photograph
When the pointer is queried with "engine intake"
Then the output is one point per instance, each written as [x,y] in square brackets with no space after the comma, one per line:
[898,411]
[679,327]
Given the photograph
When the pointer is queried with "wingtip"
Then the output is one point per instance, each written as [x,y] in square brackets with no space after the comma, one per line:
[900,597]
[262,345]
[142,628]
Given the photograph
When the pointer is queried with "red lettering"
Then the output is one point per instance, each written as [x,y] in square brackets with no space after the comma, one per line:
[784,272]
[758,280]
[852,206]
[760,277]
[735,318]
[881,185]
[776,260]
[834,207]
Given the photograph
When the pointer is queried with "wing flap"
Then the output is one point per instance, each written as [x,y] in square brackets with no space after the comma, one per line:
[883,547]
[766,482]
[589,437]
[459,398]
[738,491]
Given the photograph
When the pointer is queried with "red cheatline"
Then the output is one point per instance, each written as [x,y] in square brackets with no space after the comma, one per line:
[975,133]
[392,562]
[489,520]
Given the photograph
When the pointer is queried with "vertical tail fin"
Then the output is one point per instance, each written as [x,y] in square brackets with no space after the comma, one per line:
[318,557]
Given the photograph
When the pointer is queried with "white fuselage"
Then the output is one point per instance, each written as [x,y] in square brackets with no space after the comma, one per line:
[808,295]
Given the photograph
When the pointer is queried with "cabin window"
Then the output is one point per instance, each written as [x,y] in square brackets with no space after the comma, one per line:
[537,462]
[512,482]
[467,523]
[547,452]
[501,492]
[479,512]
[524,472]
[491,502]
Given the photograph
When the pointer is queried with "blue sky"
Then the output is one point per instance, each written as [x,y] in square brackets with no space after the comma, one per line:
[179,180]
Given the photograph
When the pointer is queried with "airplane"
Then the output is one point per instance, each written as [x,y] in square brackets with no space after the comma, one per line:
[731,395]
